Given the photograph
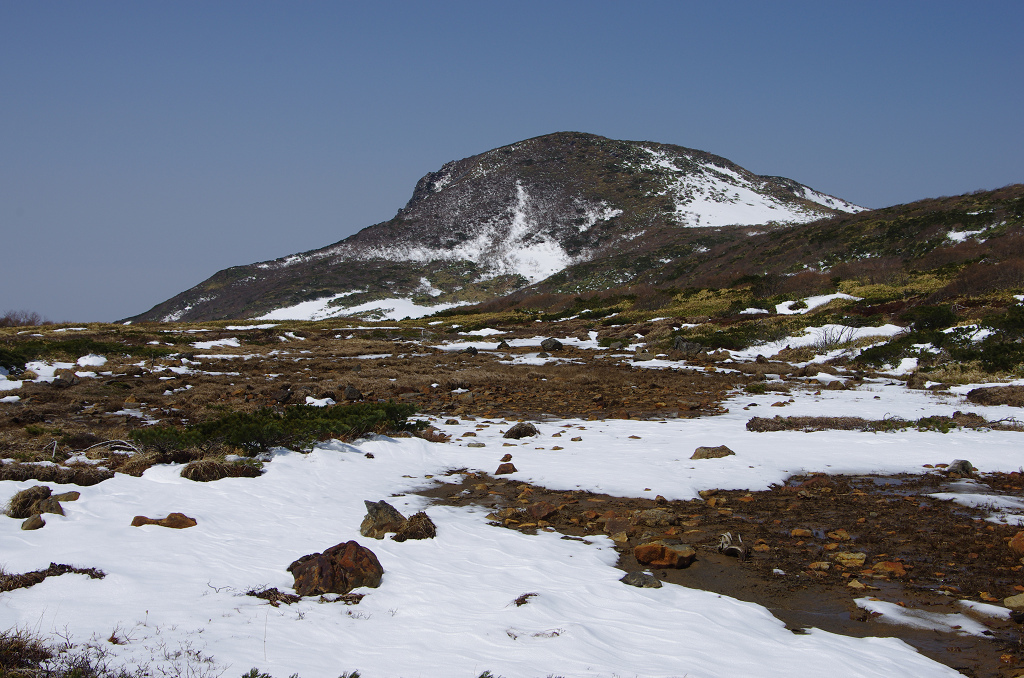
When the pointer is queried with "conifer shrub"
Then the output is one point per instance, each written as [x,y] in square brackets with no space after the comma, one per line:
[298,426]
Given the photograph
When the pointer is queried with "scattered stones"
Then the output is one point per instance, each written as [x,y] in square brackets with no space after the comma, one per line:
[849,559]
[381,518]
[339,569]
[521,430]
[712,452]
[33,522]
[175,521]
[551,344]
[665,553]
[419,526]
[506,469]
[644,580]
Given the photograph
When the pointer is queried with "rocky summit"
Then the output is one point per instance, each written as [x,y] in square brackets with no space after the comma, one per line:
[491,224]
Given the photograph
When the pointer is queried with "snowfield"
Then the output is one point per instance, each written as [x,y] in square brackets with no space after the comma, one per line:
[445,606]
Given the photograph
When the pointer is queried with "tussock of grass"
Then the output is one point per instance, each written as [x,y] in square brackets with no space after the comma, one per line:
[207,470]
[936,423]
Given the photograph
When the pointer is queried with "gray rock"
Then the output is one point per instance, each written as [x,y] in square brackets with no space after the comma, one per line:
[712,452]
[656,518]
[381,518]
[642,355]
[551,344]
[615,345]
[542,354]
[644,580]
[470,350]
[687,348]
[961,466]
[503,345]
[352,393]
[33,523]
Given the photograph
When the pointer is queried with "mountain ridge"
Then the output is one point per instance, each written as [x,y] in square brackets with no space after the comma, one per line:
[496,222]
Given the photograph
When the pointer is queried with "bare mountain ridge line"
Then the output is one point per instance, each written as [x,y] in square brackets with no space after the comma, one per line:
[487,225]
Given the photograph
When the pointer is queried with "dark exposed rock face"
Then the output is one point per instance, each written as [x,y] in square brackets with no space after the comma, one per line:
[551,344]
[339,569]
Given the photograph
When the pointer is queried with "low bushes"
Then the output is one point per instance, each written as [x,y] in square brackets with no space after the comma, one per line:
[296,426]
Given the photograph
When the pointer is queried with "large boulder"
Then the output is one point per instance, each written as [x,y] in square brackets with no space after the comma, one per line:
[551,344]
[339,569]
[687,348]
[665,553]
[381,518]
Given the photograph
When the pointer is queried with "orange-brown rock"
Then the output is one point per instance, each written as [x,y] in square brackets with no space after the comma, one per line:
[177,521]
[1017,543]
[339,569]
[800,532]
[665,553]
[506,469]
[541,510]
[890,568]
[507,457]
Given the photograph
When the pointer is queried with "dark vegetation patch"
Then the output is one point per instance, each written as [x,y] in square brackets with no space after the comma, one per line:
[66,475]
[931,423]
[273,595]
[207,470]
[997,395]
[9,582]
[295,426]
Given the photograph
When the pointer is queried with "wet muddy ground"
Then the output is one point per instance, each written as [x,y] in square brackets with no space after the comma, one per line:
[919,552]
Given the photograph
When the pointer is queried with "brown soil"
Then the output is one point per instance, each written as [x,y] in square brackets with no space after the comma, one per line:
[921,553]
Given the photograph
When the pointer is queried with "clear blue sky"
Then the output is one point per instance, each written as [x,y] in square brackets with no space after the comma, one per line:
[146,145]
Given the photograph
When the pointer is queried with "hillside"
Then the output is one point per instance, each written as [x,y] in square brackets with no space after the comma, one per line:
[494,223]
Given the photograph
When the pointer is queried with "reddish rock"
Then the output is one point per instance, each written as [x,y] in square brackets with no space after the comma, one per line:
[664,554]
[176,521]
[339,569]
[1017,544]
[506,469]
[507,457]
[541,510]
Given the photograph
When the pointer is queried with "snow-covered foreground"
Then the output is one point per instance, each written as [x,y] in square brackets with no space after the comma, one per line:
[445,606]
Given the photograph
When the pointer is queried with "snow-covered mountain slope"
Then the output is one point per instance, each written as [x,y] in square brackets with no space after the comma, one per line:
[490,224]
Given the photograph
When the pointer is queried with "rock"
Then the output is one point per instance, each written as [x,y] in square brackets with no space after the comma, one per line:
[419,526]
[68,496]
[477,445]
[507,457]
[542,354]
[961,466]
[506,469]
[839,535]
[352,393]
[1015,602]
[800,532]
[31,501]
[503,345]
[615,345]
[48,505]
[687,348]
[656,518]
[381,518]
[470,350]
[856,585]
[64,378]
[451,422]
[176,521]
[848,559]
[551,344]
[521,430]
[642,355]
[820,566]
[339,569]
[1017,544]
[712,452]
[33,522]
[890,568]
[644,580]
[665,553]
[541,510]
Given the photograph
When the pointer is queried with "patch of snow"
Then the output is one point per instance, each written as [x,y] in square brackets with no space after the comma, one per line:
[265,326]
[92,360]
[383,309]
[752,311]
[207,345]
[321,402]
[812,303]
[8,399]
[891,613]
